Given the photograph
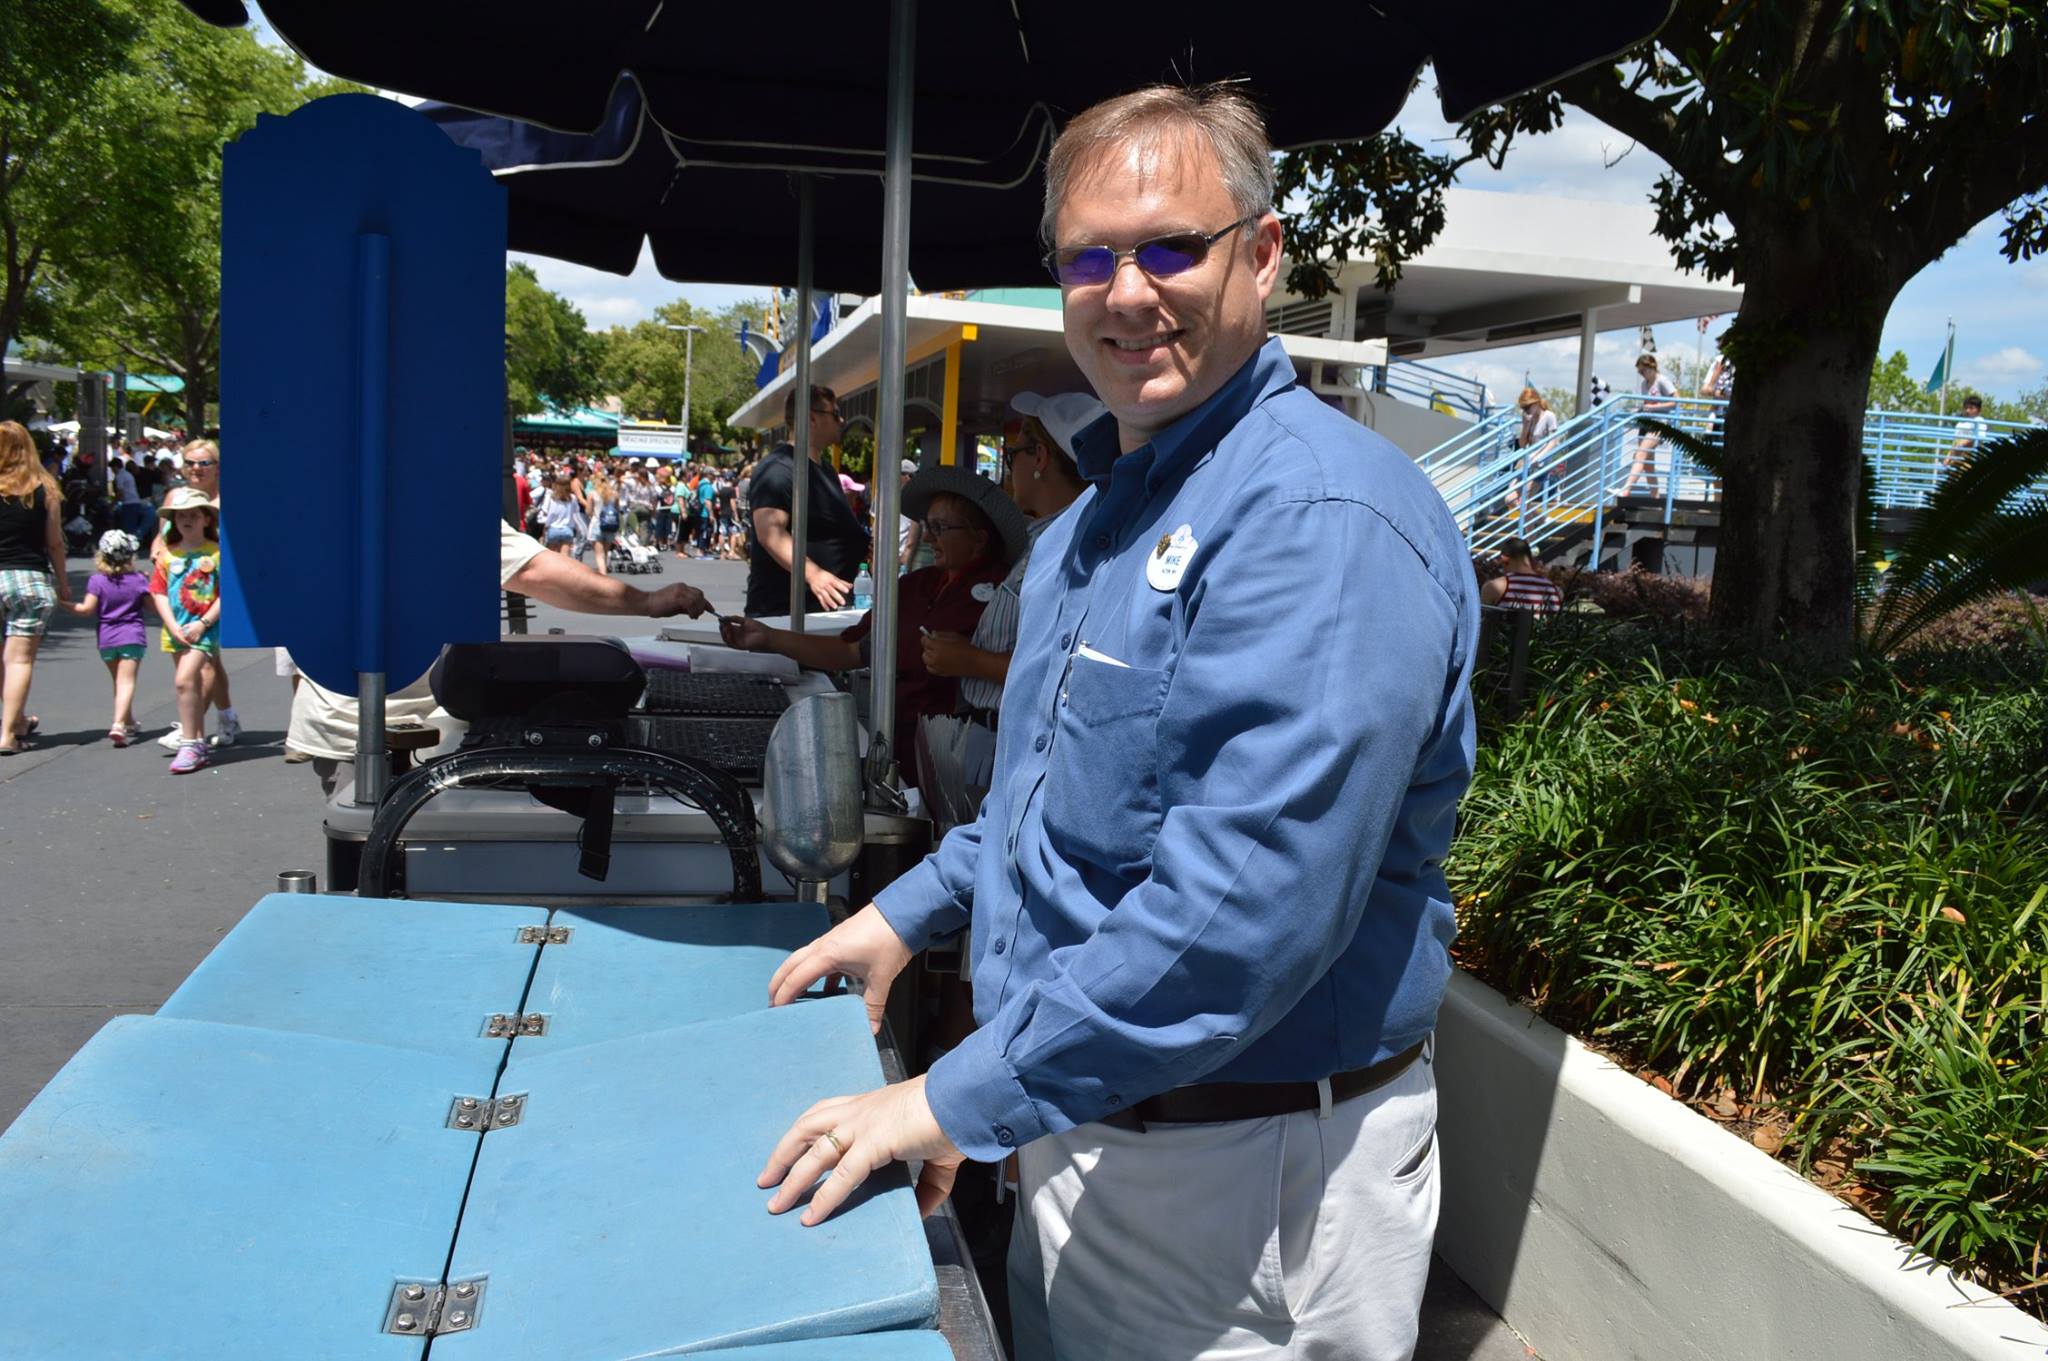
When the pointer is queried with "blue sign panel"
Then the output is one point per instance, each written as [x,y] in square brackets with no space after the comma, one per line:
[362,390]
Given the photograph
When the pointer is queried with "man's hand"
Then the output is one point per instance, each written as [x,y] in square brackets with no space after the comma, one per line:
[680,598]
[864,947]
[742,634]
[950,654]
[830,590]
[866,1132]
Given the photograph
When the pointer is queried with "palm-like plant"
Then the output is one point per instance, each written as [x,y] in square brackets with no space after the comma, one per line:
[1983,532]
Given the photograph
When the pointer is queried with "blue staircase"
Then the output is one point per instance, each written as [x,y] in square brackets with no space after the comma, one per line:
[1577,484]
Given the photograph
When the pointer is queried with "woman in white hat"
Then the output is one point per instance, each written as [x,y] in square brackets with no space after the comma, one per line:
[975,533]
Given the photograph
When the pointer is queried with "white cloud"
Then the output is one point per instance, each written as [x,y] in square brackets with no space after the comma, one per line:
[2005,367]
[607,299]
[599,313]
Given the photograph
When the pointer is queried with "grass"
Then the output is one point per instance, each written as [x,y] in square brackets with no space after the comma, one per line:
[1826,892]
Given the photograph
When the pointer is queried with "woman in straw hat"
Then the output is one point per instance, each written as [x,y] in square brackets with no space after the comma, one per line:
[975,532]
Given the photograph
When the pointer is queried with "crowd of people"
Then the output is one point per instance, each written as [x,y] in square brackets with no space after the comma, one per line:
[623,506]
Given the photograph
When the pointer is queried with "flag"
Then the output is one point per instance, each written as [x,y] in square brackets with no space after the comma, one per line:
[1708,320]
[1939,380]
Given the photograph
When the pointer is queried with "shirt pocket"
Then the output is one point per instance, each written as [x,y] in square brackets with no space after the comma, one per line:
[1102,780]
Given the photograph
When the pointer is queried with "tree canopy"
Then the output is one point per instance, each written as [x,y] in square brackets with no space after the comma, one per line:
[643,364]
[131,273]
[1822,153]
[550,355]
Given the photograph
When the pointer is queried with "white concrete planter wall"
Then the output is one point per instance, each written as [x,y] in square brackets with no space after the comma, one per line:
[1606,1221]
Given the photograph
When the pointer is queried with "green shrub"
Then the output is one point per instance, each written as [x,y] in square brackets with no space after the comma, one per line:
[1825,889]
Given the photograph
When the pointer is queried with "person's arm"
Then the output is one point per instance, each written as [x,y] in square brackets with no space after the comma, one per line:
[910,543]
[1490,592]
[561,581]
[1255,889]
[950,654]
[771,531]
[53,544]
[84,609]
[819,651]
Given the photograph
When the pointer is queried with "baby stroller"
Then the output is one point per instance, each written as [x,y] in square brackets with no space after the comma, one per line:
[630,555]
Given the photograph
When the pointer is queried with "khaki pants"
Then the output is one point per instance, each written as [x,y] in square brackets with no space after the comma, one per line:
[1296,1236]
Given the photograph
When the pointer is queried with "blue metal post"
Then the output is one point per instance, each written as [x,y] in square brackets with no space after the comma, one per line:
[373,377]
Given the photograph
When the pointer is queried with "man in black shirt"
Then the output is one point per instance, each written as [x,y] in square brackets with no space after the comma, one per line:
[837,540]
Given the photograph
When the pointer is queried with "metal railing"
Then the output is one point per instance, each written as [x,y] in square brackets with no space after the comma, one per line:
[1577,476]
[1433,387]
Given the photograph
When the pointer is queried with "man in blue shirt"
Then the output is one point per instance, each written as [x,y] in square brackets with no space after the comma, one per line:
[1210,930]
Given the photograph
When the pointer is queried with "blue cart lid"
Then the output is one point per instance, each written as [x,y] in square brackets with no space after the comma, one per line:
[630,970]
[620,1218]
[184,1189]
[414,975]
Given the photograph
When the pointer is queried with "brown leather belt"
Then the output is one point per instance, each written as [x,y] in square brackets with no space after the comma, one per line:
[1207,1103]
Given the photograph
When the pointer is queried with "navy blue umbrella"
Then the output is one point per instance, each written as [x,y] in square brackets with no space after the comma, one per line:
[805,86]
[593,198]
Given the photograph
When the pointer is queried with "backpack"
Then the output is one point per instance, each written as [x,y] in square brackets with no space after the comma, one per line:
[608,517]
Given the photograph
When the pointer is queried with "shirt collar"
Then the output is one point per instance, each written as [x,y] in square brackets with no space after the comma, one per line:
[1268,371]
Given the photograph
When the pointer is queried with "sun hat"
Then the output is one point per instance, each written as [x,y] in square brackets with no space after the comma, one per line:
[650,462]
[118,545]
[910,465]
[1002,512]
[1063,414]
[187,498]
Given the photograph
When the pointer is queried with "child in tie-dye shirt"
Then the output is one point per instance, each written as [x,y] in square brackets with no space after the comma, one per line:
[186,587]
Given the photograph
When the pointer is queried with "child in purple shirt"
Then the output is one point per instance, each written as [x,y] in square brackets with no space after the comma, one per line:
[118,594]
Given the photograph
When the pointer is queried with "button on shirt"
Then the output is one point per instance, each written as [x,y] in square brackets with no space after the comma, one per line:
[1222,796]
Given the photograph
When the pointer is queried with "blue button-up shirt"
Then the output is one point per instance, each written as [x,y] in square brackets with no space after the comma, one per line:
[1222,797]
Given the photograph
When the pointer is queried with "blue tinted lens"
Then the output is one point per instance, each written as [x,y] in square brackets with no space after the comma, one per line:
[1172,255]
[1089,265]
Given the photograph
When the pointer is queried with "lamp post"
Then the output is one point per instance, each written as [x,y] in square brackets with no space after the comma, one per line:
[690,334]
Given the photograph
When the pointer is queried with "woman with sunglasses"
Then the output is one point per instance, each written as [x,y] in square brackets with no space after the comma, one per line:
[1042,479]
[975,532]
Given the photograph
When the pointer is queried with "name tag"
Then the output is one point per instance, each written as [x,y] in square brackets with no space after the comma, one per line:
[1170,559]
[984,591]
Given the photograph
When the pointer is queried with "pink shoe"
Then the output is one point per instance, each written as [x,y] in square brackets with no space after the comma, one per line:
[192,756]
[118,735]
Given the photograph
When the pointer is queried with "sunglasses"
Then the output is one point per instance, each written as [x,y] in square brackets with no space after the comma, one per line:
[938,527]
[1162,257]
[199,463]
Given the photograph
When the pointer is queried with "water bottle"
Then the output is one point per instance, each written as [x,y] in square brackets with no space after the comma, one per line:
[863,589]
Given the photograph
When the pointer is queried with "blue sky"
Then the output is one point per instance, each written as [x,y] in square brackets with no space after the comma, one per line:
[2000,309]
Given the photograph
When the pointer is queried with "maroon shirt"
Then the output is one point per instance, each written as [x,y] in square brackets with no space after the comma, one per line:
[930,599]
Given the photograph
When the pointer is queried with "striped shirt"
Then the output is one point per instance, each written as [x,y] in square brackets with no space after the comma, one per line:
[1532,591]
[997,631]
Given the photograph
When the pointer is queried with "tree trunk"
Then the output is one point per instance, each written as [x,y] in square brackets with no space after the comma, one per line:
[1813,309]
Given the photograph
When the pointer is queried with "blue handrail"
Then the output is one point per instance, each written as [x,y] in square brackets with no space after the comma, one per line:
[1432,386]
[1579,474]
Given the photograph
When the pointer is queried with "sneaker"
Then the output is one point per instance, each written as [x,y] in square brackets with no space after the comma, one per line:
[121,734]
[294,757]
[230,729]
[190,757]
[172,740]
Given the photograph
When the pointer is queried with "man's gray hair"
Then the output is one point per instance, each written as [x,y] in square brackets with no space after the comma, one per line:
[1222,114]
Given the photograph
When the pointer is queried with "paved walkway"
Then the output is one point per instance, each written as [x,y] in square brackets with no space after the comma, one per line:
[116,878]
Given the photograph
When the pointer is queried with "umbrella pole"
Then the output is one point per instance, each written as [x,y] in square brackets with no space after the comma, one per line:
[799,468]
[373,314]
[888,488]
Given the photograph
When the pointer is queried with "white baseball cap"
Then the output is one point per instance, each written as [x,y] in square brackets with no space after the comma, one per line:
[1063,414]
[650,462]
[910,466]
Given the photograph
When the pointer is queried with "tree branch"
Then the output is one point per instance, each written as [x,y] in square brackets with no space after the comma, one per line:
[1983,176]
[1651,125]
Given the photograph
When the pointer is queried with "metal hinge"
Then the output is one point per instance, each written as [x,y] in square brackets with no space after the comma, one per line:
[545,935]
[482,1115]
[503,1025]
[427,1308]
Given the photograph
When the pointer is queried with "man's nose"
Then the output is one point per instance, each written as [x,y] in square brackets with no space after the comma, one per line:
[1131,287]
